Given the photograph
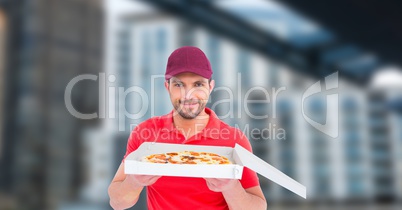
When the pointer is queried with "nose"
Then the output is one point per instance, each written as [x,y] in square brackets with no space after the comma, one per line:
[188,93]
[189,96]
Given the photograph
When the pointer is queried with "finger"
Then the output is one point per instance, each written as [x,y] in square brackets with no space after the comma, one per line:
[153,180]
[211,187]
[148,177]
[208,182]
[207,179]
[215,181]
[144,180]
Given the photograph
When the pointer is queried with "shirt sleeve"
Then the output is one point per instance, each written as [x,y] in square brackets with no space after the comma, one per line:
[249,177]
[133,142]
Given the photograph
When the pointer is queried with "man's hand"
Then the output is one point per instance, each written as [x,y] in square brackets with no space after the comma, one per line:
[221,185]
[236,196]
[125,189]
[141,180]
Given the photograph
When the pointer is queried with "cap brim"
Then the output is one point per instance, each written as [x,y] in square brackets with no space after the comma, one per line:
[204,73]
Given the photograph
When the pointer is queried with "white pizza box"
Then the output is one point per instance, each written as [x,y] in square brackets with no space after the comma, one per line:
[237,155]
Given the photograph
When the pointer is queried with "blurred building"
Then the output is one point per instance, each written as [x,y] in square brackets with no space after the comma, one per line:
[3,29]
[50,159]
[361,165]
[49,42]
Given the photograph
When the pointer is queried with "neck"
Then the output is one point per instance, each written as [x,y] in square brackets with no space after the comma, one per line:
[190,127]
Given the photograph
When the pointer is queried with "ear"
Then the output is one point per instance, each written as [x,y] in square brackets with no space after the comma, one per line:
[211,85]
[166,85]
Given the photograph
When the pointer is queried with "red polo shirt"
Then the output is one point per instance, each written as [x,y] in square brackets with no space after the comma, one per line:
[183,192]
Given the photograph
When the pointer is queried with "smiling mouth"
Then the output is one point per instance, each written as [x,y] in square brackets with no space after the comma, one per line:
[189,103]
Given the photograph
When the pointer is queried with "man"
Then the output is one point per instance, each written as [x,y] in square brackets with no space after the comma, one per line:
[189,83]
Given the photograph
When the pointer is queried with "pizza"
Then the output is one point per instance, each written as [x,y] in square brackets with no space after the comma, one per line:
[187,157]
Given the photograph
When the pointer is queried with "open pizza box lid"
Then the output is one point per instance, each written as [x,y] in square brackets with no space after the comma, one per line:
[237,155]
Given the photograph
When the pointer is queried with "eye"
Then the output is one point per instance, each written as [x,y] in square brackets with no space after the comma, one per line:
[199,84]
[178,85]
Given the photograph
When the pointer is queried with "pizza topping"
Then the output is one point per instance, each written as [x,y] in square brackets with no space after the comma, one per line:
[187,157]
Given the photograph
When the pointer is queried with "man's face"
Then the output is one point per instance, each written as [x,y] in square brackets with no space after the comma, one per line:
[189,94]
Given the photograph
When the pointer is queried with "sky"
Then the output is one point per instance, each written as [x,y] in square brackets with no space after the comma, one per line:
[390,76]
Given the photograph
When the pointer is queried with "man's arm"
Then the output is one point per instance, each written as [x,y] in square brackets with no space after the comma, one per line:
[125,190]
[236,196]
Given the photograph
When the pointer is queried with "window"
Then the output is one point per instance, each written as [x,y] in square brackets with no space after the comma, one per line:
[161,41]
[243,63]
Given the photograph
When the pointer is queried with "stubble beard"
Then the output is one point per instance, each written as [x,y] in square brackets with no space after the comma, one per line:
[187,113]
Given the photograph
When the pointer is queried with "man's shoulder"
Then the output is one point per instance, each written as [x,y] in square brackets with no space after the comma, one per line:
[223,124]
[232,129]
[153,122]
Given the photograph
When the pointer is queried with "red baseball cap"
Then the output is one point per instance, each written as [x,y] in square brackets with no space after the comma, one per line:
[188,59]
